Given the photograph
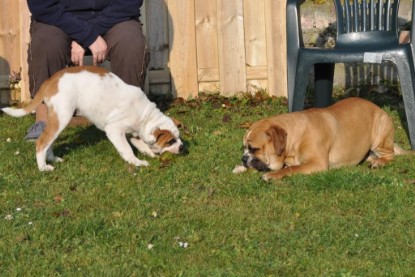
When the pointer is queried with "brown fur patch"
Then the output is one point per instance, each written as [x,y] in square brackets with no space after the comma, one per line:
[162,137]
[278,137]
[93,69]
[51,129]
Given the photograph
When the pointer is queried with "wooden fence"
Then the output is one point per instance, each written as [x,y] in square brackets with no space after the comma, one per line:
[226,46]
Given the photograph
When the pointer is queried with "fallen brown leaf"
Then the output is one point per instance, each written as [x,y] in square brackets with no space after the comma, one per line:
[245,125]
[58,198]
[64,213]
[226,118]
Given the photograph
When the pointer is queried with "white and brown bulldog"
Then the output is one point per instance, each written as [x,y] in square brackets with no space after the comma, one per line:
[112,105]
[346,133]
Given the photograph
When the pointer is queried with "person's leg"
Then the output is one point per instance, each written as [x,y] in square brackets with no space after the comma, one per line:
[49,51]
[127,52]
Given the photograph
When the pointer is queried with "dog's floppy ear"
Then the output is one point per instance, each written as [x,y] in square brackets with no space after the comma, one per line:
[177,123]
[278,136]
[160,133]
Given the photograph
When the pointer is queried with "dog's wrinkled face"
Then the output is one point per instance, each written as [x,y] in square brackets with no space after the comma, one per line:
[264,147]
[166,141]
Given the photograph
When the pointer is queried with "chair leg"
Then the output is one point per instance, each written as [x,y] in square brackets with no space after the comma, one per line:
[407,83]
[409,102]
[300,86]
[323,84]
[291,76]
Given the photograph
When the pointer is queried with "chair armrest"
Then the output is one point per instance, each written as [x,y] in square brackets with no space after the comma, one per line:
[294,43]
[413,23]
[295,2]
[293,21]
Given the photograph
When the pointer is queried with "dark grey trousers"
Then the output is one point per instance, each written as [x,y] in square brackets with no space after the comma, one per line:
[50,51]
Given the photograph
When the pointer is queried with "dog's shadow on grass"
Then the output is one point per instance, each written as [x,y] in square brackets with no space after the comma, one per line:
[81,137]
[78,137]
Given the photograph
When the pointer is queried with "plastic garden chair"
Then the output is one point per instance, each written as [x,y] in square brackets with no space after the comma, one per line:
[367,32]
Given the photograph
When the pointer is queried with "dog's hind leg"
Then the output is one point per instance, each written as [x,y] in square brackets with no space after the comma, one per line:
[54,127]
[50,157]
[117,137]
[383,145]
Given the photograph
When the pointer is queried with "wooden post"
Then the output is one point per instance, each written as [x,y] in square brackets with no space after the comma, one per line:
[255,45]
[182,62]
[232,65]
[276,47]
[9,40]
[207,45]
[24,44]
[155,17]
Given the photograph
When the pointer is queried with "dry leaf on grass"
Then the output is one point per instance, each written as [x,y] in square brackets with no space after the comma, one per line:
[64,213]
[226,118]
[58,199]
[245,125]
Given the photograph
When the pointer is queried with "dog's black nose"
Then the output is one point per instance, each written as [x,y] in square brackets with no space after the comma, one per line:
[245,160]
[181,148]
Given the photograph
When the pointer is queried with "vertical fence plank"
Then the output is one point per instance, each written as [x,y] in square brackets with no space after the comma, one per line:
[231,47]
[24,44]
[10,47]
[207,45]
[276,47]
[157,34]
[182,61]
[255,45]
[9,37]
[4,64]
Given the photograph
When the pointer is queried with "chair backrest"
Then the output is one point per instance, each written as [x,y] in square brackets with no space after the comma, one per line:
[368,21]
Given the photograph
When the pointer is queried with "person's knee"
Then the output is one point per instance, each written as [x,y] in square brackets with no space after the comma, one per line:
[126,40]
[129,52]
[49,40]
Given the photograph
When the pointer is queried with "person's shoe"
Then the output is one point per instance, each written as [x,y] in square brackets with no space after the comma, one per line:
[35,130]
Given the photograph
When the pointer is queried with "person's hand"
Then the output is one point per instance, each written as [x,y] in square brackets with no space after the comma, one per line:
[77,54]
[99,50]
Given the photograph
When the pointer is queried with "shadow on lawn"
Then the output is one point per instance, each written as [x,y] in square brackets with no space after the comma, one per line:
[78,138]
[88,136]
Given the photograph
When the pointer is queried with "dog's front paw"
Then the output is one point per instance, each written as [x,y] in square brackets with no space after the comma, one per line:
[150,154]
[142,147]
[239,169]
[272,176]
[266,177]
[138,162]
[46,167]
[143,163]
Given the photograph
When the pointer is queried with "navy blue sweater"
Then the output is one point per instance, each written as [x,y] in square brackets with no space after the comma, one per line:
[84,20]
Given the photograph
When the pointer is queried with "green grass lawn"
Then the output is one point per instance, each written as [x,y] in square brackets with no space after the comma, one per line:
[97,216]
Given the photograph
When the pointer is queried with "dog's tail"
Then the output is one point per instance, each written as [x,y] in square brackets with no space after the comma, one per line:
[400,151]
[37,100]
